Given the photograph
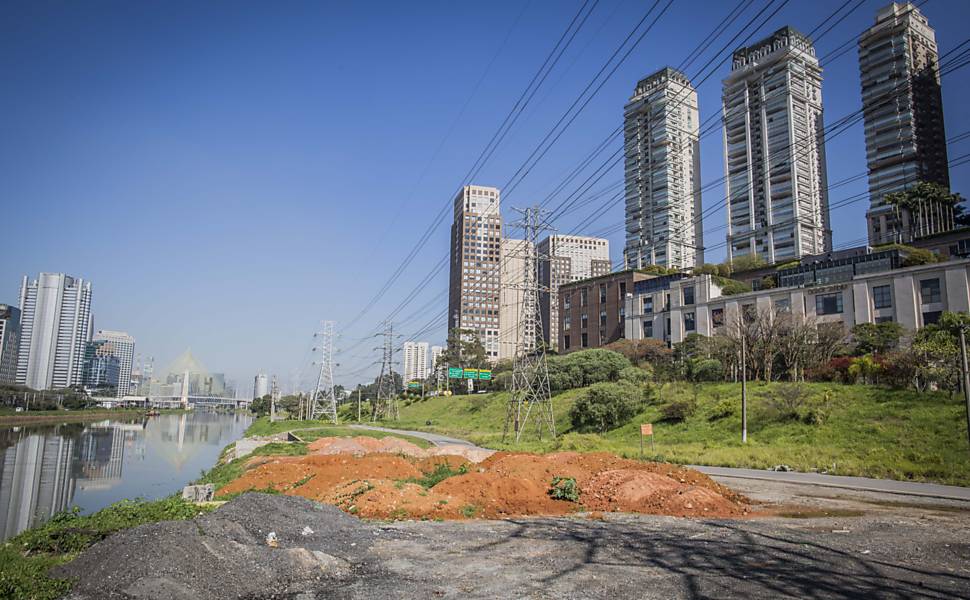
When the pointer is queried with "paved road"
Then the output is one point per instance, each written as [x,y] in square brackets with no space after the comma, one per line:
[865,484]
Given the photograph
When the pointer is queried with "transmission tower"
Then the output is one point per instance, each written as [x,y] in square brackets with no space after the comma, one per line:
[385,407]
[530,395]
[323,402]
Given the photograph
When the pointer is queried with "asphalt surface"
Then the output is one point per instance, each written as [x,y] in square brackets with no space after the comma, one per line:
[887,552]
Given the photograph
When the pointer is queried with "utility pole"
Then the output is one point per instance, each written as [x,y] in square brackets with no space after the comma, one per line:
[966,374]
[530,374]
[325,406]
[744,390]
[385,406]
[358,403]
[274,396]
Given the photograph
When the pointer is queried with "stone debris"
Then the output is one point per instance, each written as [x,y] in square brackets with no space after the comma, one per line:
[198,493]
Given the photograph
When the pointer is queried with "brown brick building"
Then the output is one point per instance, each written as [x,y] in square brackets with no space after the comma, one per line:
[591,311]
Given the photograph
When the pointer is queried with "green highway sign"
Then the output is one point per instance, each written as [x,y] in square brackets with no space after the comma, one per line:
[471,373]
[414,385]
[484,374]
[454,372]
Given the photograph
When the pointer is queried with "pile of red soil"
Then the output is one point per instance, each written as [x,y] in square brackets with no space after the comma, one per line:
[355,476]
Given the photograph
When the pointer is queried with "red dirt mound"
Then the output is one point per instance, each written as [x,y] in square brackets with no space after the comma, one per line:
[494,496]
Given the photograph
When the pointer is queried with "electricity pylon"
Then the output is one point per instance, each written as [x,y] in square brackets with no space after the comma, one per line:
[385,406]
[323,402]
[530,391]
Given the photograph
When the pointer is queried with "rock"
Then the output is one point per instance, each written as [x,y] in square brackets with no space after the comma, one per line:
[198,493]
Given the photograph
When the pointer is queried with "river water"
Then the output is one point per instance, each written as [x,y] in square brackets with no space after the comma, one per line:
[50,468]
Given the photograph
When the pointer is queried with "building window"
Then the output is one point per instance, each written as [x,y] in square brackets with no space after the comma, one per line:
[583,321]
[622,290]
[749,312]
[602,294]
[884,320]
[929,291]
[565,342]
[602,317]
[931,317]
[882,296]
[622,315]
[565,301]
[689,324]
[566,322]
[648,329]
[783,305]
[585,340]
[583,297]
[688,295]
[828,304]
[648,305]
[717,317]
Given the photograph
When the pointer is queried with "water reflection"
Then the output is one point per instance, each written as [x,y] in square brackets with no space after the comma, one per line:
[47,469]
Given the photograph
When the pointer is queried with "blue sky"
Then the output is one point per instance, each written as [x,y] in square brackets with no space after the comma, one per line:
[227,174]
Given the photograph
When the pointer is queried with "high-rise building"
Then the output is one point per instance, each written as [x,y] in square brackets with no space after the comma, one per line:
[512,277]
[415,361]
[436,352]
[903,110]
[774,143]
[9,342]
[564,259]
[260,385]
[101,373]
[123,346]
[38,477]
[476,253]
[661,133]
[55,311]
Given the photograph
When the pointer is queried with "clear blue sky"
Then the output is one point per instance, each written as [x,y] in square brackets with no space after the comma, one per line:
[227,174]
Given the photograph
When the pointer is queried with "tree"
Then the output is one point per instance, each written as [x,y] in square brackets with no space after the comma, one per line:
[925,208]
[747,262]
[464,349]
[936,352]
[876,337]
[606,406]
[796,339]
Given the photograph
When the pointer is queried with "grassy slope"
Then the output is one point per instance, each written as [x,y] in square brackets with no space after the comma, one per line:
[870,431]
[312,430]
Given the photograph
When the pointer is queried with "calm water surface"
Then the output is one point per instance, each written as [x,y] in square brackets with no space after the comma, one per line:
[49,468]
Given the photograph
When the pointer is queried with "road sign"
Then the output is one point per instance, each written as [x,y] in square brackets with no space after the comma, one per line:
[484,374]
[471,373]
[646,429]
[414,385]
[454,372]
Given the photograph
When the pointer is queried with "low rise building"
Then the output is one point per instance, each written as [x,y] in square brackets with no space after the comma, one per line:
[592,311]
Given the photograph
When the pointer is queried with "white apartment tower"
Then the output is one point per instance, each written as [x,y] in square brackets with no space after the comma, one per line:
[663,173]
[55,313]
[903,109]
[415,361]
[564,259]
[476,253]
[775,150]
[436,352]
[512,276]
[123,347]
[260,385]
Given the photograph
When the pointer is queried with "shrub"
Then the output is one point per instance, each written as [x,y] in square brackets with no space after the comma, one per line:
[707,369]
[678,410]
[606,406]
[785,401]
[635,375]
[564,488]
[723,410]
[730,287]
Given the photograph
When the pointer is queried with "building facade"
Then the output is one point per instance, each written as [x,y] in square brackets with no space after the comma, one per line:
[517,255]
[260,385]
[55,317]
[564,259]
[415,361]
[903,109]
[9,342]
[661,133]
[593,311]
[436,352]
[864,289]
[776,186]
[102,369]
[123,346]
[476,253]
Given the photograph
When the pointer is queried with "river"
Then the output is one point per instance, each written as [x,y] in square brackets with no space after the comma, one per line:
[50,468]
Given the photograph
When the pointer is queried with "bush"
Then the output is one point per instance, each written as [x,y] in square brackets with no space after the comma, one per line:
[723,410]
[678,410]
[606,406]
[635,375]
[731,287]
[564,488]
[707,369]
[785,402]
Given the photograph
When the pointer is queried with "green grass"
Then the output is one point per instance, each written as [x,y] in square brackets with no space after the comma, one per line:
[313,430]
[26,558]
[441,472]
[868,431]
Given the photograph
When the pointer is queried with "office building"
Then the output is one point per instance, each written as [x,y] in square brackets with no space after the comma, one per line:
[860,287]
[55,313]
[661,134]
[564,259]
[101,374]
[37,480]
[260,386]
[903,110]
[517,256]
[123,346]
[415,361]
[476,253]
[592,311]
[777,202]
[9,342]
[436,352]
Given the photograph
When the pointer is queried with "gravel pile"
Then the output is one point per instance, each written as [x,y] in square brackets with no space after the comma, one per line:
[225,554]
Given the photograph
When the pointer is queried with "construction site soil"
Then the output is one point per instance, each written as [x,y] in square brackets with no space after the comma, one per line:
[391,478]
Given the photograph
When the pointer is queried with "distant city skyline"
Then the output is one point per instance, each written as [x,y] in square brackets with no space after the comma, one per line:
[233,164]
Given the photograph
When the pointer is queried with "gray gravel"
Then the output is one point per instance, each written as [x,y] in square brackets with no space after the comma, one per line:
[891,551]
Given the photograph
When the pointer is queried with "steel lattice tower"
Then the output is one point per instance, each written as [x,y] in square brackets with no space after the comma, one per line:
[386,404]
[323,402]
[530,391]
